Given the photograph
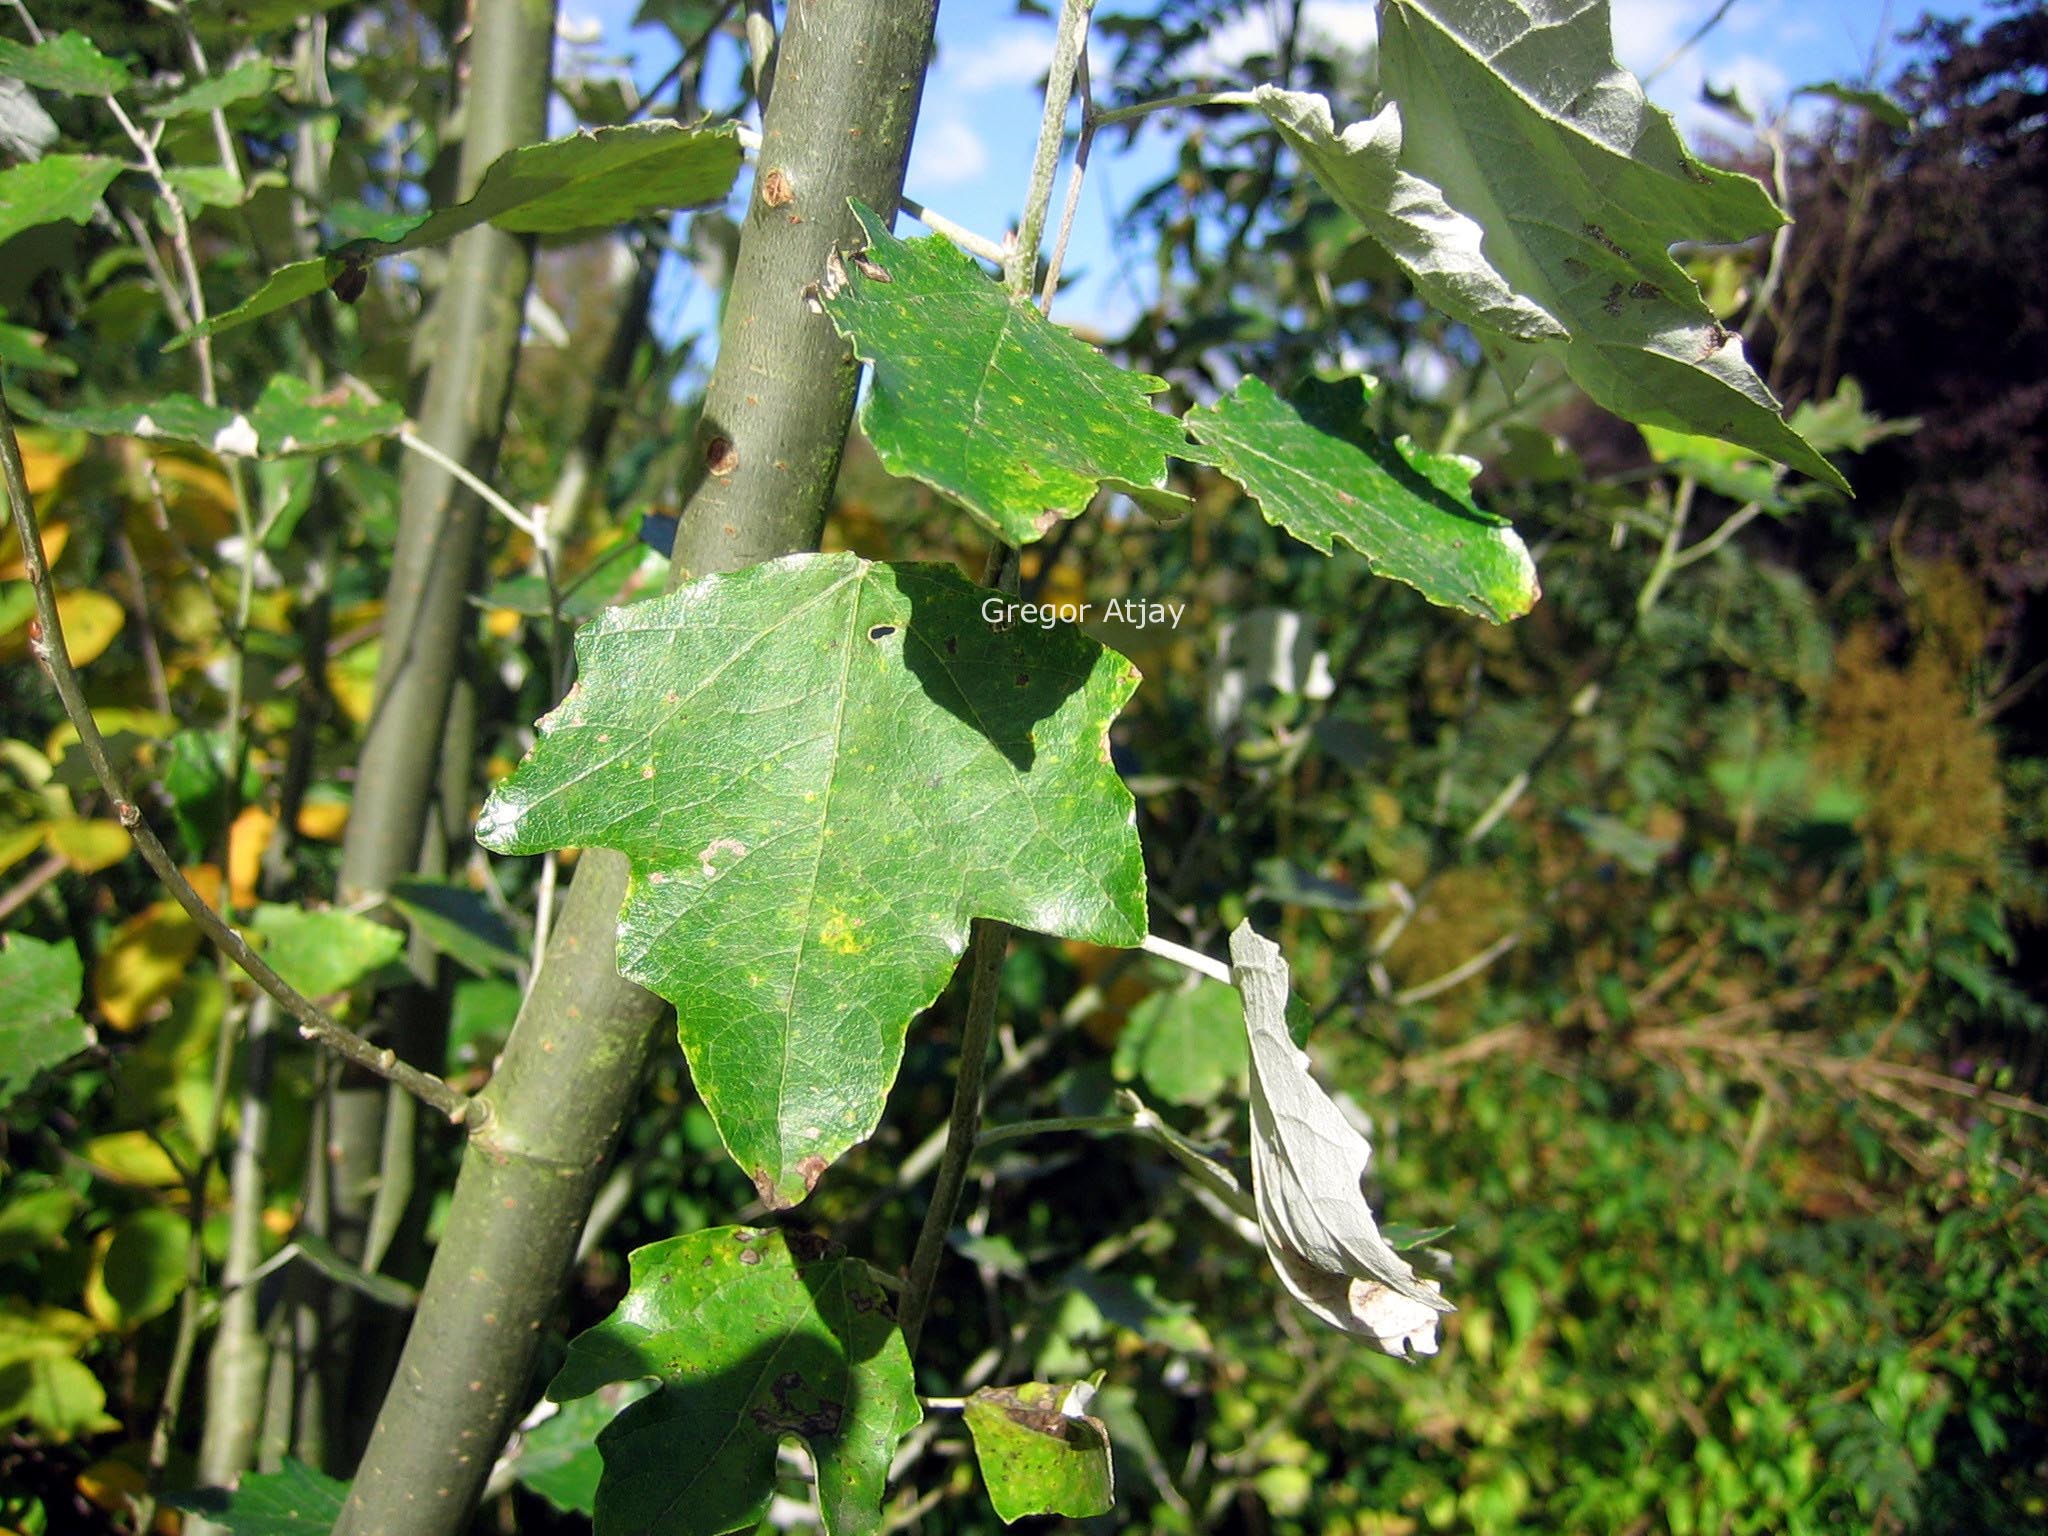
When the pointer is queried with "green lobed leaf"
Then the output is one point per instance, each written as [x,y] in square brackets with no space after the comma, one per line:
[53,188]
[1316,469]
[1186,1043]
[588,180]
[39,1023]
[1526,125]
[287,418]
[68,63]
[981,397]
[752,1337]
[1036,1456]
[821,770]
[1440,249]
[292,1501]
[250,78]
[321,953]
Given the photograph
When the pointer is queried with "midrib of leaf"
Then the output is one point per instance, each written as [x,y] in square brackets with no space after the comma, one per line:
[1529,274]
[803,942]
[987,370]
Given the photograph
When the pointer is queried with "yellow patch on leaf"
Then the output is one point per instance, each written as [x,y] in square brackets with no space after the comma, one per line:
[144,962]
[247,839]
[55,536]
[323,820]
[88,845]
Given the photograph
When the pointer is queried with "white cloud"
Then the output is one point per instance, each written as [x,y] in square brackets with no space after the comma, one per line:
[1012,56]
[947,152]
[1350,25]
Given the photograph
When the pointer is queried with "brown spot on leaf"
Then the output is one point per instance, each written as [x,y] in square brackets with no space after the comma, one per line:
[871,270]
[810,1170]
[1645,291]
[1612,301]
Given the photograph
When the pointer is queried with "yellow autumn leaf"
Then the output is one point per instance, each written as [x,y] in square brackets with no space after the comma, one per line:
[502,623]
[352,680]
[247,839]
[132,1157]
[111,1485]
[55,536]
[17,843]
[323,819]
[144,962]
[199,498]
[46,458]
[88,845]
[91,620]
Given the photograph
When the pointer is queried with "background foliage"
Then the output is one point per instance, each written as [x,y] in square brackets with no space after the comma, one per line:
[1681,940]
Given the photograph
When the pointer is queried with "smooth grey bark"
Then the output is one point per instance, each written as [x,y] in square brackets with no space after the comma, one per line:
[849,79]
[477,318]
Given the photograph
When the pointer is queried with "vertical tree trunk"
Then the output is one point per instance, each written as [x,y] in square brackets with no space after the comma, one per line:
[848,83]
[477,316]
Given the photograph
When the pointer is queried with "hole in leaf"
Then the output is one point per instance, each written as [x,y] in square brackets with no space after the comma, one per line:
[881,631]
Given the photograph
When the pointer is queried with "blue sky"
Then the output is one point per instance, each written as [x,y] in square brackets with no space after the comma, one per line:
[981,104]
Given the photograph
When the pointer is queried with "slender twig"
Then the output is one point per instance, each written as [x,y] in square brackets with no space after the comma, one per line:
[761,49]
[1018,1130]
[1733,524]
[1052,134]
[47,644]
[1193,959]
[959,234]
[1138,109]
[1464,971]
[471,479]
[1697,36]
[985,952]
[25,888]
[1074,177]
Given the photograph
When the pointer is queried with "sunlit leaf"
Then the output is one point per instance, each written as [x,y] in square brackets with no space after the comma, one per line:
[67,63]
[1526,126]
[53,188]
[324,952]
[138,1268]
[591,180]
[39,1022]
[143,962]
[287,418]
[1440,248]
[980,396]
[821,770]
[250,78]
[59,1397]
[1316,469]
[1308,1167]
[88,845]
[1187,1044]
[1040,1452]
[751,1336]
